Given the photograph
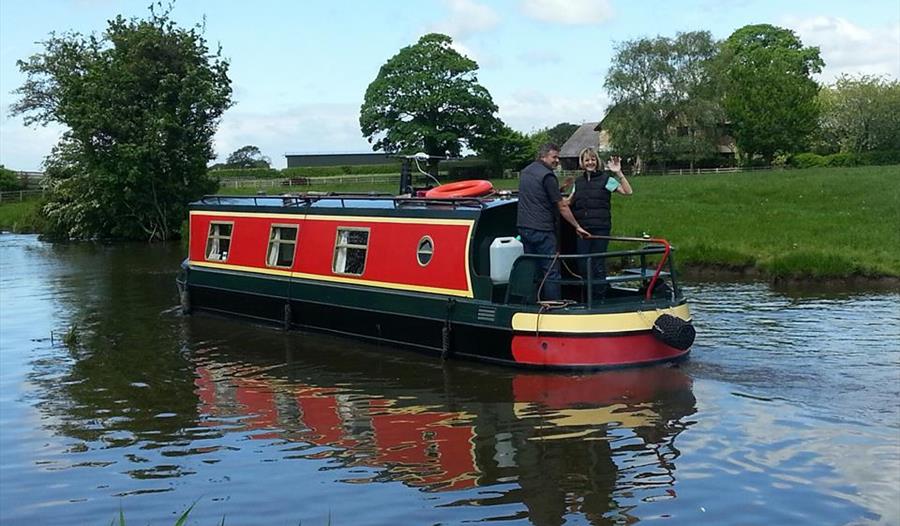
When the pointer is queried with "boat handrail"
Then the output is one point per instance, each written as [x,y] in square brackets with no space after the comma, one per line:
[297,199]
[639,274]
[256,200]
[667,250]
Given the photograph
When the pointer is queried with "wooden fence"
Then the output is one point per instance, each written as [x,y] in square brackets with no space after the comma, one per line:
[19,195]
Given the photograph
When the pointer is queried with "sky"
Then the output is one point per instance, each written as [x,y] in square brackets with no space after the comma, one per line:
[299,69]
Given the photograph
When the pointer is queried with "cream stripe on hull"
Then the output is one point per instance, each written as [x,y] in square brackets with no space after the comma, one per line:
[594,323]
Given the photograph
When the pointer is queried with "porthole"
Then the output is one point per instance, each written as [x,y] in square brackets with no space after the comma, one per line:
[425,251]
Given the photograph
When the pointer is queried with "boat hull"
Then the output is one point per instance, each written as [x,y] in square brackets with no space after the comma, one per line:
[461,328]
[603,351]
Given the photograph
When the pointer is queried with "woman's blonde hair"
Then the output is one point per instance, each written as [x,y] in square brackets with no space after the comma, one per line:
[593,153]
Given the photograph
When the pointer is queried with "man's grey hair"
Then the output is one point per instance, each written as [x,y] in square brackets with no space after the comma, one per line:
[546,148]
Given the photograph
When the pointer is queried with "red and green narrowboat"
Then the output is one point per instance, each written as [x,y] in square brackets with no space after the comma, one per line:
[442,275]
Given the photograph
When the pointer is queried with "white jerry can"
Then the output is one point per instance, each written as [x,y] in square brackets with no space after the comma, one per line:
[504,251]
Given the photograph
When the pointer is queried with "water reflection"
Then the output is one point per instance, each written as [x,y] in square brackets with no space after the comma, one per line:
[557,443]
[122,379]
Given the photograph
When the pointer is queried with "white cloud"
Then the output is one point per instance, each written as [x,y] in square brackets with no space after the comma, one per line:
[540,56]
[527,111]
[308,128]
[467,17]
[849,48]
[464,50]
[24,148]
[570,12]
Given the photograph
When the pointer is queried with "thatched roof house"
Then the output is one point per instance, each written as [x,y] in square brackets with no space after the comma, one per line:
[585,136]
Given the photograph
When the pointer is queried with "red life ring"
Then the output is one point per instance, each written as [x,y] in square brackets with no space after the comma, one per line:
[470,188]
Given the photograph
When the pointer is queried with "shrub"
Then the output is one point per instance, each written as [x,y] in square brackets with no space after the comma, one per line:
[781,160]
[807,160]
[880,157]
[842,159]
[9,180]
[874,157]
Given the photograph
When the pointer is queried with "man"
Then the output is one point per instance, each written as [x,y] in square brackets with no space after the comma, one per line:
[540,202]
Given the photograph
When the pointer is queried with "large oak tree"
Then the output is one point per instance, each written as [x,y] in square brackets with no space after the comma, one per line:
[427,98]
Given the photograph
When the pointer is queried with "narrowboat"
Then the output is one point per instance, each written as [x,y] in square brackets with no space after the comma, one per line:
[442,274]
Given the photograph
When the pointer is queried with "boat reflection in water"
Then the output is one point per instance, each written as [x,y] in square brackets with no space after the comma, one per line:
[596,444]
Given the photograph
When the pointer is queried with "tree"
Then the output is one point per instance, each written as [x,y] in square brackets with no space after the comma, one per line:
[859,114]
[505,148]
[9,180]
[247,157]
[427,98]
[560,133]
[141,103]
[539,138]
[769,97]
[665,101]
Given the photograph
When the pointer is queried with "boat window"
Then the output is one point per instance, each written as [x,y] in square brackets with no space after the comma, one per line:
[282,244]
[350,251]
[218,241]
[425,250]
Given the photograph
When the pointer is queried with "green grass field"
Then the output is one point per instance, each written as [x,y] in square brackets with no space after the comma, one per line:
[818,222]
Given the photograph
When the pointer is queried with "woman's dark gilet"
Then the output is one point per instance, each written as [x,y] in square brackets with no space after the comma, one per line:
[591,204]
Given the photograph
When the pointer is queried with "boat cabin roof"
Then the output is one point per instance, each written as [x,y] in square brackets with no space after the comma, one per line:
[354,204]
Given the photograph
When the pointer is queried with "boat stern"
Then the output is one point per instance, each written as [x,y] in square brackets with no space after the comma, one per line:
[602,340]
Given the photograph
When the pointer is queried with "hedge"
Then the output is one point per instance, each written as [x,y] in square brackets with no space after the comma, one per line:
[481,171]
[875,157]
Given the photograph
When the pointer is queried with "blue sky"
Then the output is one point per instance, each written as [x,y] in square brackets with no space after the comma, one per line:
[300,69]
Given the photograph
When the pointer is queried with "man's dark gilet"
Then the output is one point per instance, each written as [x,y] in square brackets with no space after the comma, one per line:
[591,206]
[535,208]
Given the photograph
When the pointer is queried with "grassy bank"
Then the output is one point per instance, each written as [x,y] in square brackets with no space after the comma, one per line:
[812,223]
[822,222]
[21,216]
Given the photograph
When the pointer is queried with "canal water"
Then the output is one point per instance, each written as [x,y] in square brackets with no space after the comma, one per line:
[788,412]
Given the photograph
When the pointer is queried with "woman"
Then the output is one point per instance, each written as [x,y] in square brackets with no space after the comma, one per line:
[590,202]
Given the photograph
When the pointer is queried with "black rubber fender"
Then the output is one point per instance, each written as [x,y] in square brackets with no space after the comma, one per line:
[674,332]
